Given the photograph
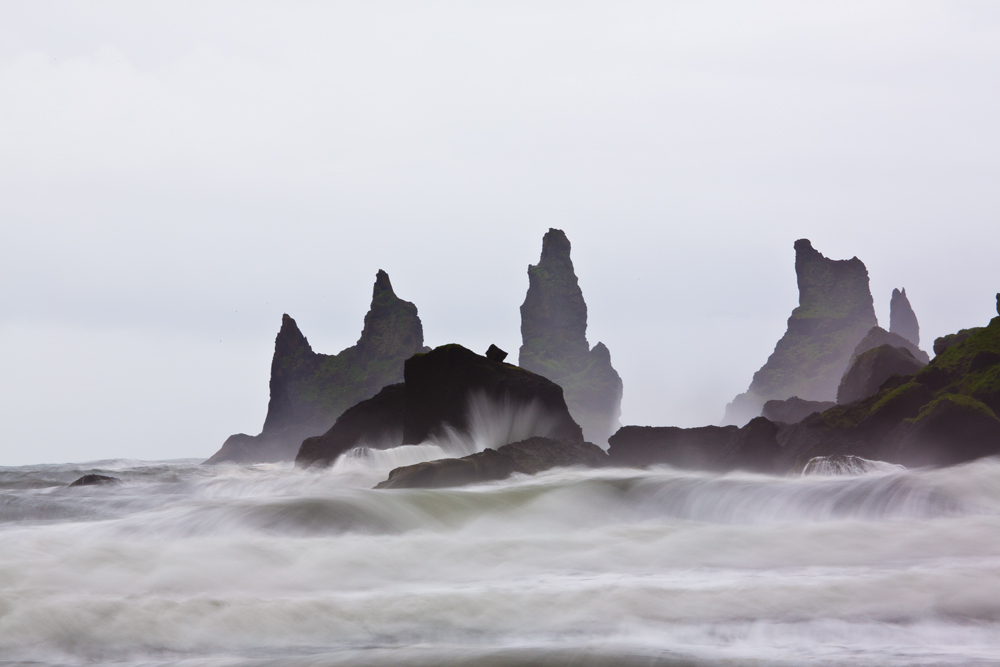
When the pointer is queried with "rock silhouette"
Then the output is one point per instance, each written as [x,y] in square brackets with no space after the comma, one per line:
[873,367]
[794,409]
[439,390]
[310,390]
[554,341]
[835,312]
[878,336]
[902,319]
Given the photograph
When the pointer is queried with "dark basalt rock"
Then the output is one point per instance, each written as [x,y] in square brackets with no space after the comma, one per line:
[902,319]
[309,391]
[95,480]
[754,447]
[699,448]
[376,423]
[835,312]
[554,341]
[794,409]
[439,385]
[495,354]
[949,430]
[874,367]
[527,457]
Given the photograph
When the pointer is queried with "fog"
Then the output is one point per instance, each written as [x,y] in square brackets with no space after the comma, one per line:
[176,175]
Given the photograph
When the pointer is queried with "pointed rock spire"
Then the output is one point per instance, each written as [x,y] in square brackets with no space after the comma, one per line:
[902,319]
[554,341]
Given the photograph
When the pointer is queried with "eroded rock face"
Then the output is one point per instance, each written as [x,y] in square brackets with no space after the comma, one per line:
[835,312]
[872,368]
[528,457]
[310,390]
[902,319]
[794,409]
[554,341]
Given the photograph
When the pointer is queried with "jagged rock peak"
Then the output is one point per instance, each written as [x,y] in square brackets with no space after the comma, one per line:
[382,285]
[392,327]
[554,341]
[293,358]
[835,312]
[902,319]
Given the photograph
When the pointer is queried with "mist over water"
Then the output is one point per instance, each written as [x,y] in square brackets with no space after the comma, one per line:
[185,564]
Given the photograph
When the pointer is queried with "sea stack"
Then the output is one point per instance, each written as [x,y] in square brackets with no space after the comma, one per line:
[902,319]
[554,342]
[310,390]
[835,312]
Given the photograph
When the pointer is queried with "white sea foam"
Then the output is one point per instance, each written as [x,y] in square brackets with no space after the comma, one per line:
[273,565]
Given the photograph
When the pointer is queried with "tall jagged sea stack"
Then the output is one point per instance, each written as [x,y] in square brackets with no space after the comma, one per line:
[835,312]
[554,341]
[310,390]
[902,319]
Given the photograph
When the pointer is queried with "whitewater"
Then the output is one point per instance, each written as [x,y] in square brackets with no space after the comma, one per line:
[185,564]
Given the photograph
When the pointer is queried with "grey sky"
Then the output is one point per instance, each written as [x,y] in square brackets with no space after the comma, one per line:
[176,175]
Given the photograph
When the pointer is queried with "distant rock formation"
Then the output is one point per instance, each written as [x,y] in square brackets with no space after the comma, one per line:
[439,391]
[794,409]
[873,367]
[877,336]
[835,312]
[528,457]
[309,391]
[902,319]
[554,342]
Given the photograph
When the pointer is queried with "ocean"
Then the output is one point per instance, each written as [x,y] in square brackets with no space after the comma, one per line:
[191,565]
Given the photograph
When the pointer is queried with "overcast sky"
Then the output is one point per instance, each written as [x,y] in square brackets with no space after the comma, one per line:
[176,175]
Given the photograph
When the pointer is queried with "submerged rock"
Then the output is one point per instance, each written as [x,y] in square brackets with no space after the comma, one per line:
[835,312]
[794,409]
[95,480]
[554,341]
[449,391]
[902,319]
[309,391]
[528,457]
[872,368]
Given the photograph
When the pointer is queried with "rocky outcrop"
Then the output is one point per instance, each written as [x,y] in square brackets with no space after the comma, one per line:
[873,367]
[902,319]
[441,383]
[944,342]
[448,392]
[310,390]
[945,413]
[835,312]
[794,409]
[554,341]
[527,457]
[376,423]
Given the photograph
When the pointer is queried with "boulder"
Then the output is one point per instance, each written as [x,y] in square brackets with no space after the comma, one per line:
[902,319]
[439,385]
[95,480]
[309,391]
[554,341]
[495,354]
[376,423]
[872,368]
[527,457]
[794,409]
[835,312]
[944,342]
[754,447]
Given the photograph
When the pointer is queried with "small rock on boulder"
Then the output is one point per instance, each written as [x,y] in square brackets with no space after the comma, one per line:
[529,457]
[495,354]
